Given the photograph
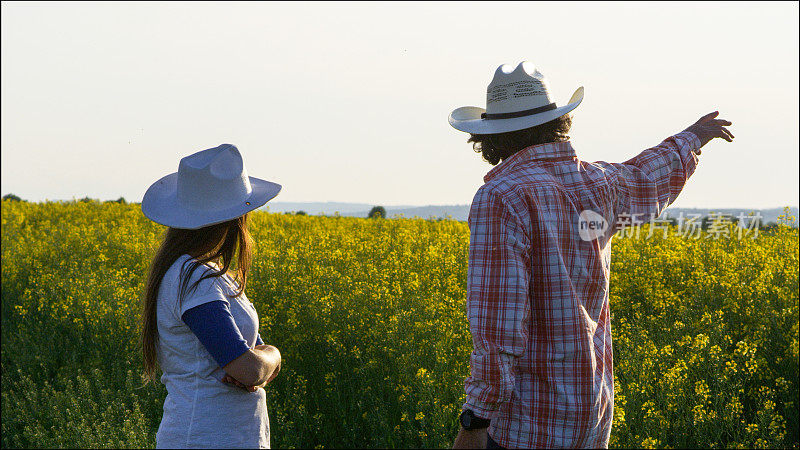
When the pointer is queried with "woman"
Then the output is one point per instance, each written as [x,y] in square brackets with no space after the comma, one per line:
[197,324]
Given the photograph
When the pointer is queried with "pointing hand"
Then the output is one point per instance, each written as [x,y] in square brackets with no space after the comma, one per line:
[709,127]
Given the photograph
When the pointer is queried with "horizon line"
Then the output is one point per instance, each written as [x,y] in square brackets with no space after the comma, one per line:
[387,205]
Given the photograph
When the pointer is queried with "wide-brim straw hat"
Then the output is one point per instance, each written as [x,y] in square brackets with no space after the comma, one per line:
[517,98]
[210,187]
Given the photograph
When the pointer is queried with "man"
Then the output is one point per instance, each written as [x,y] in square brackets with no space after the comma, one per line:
[539,261]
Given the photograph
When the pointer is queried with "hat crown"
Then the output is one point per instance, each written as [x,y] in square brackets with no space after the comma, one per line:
[517,89]
[213,179]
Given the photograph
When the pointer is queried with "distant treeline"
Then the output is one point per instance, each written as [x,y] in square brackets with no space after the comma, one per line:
[700,216]
[15,198]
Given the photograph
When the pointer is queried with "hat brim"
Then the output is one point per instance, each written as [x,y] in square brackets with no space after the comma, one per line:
[468,118]
[160,204]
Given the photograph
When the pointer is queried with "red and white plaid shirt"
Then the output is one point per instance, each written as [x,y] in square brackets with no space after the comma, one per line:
[537,293]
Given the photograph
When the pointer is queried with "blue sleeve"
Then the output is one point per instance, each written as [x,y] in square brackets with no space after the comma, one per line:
[214,326]
[259,341]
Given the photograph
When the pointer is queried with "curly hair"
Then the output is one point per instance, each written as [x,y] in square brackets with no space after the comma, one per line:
[498,147]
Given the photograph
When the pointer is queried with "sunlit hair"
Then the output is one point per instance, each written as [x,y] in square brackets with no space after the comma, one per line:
[219,244]
[498,147]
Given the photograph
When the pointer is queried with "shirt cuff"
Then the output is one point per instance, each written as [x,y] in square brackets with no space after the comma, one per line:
[481,409]
[691,138]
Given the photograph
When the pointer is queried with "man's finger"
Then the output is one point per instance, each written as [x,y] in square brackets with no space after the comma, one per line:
[708,117]
[724,134]
[728,132]
[722,122]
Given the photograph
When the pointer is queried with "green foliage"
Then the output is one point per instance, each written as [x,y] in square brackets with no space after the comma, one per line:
[12,197]
[706,341]
[369,317]
[377,212]
[80,413]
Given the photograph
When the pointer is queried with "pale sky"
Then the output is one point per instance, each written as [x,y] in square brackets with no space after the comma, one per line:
[349,102]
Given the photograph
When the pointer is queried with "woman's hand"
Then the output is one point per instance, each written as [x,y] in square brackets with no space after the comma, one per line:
[227,379]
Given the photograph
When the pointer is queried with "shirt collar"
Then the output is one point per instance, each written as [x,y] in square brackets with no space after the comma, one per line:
[551,151]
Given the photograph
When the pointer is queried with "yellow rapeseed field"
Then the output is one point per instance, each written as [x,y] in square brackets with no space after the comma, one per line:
[369,316]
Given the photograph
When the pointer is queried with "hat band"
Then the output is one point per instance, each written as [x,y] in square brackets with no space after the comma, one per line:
[512,115]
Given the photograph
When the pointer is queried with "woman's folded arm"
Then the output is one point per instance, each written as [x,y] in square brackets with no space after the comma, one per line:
[215,328]
[255,367]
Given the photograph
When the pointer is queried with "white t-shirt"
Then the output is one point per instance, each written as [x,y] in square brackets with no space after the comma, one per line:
[201,411]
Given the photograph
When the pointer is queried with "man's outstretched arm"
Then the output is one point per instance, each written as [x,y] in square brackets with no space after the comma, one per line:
[649,182]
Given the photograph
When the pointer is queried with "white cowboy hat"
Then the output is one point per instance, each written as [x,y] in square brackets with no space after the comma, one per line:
[210,187]
[515,99]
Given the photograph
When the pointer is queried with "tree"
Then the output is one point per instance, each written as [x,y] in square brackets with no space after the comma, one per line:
[12,198]
[377,212]
[301,213]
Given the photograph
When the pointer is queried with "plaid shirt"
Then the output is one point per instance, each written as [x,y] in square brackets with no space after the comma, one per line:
[542,366]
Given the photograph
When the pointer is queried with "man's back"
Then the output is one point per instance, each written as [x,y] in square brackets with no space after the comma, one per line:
[538,287]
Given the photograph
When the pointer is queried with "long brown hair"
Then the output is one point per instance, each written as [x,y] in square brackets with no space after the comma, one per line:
[224,241]
[498,147]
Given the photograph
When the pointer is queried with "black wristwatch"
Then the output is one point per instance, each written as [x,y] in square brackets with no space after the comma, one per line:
[469,421]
